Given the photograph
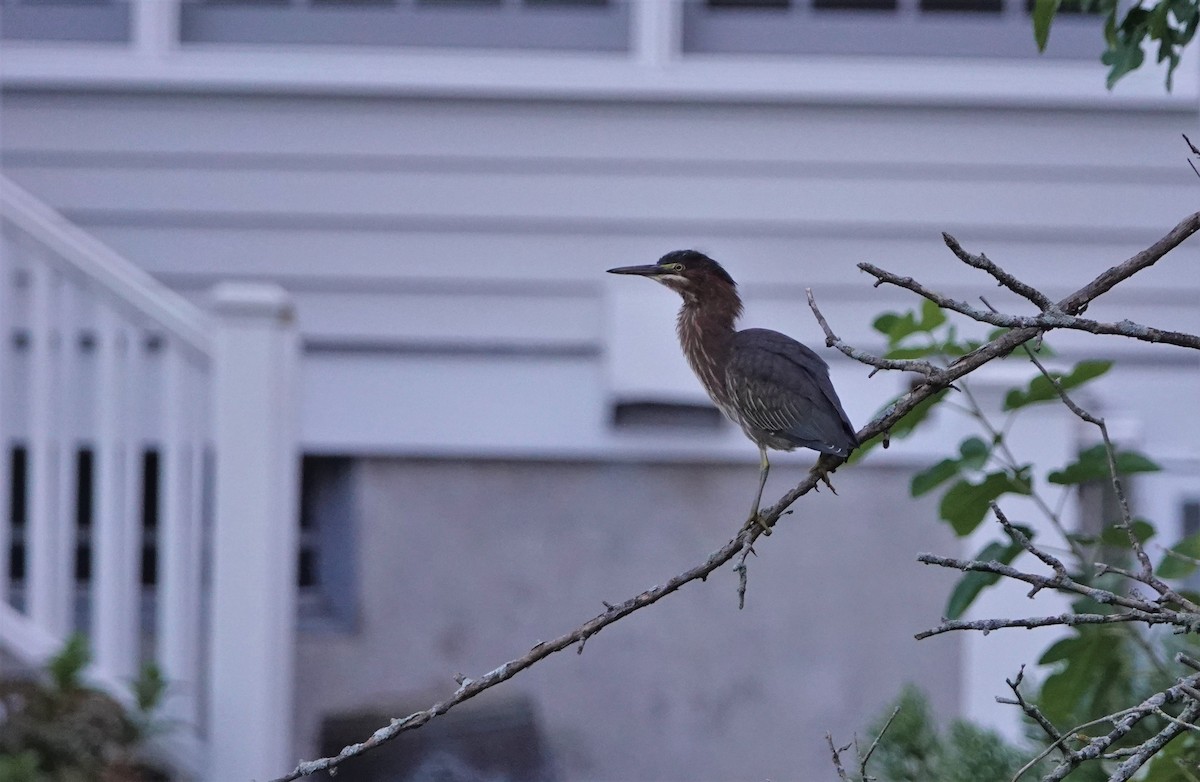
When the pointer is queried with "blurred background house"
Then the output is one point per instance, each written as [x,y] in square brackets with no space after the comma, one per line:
[420,197]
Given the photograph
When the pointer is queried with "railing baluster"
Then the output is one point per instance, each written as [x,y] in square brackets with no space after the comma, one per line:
[49,573]
[178,540]
[115,582]
[66,379]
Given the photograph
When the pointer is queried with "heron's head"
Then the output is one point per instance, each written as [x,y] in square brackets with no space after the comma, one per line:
[691,273]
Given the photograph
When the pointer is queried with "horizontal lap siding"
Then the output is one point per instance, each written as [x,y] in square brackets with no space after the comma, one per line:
[478,230]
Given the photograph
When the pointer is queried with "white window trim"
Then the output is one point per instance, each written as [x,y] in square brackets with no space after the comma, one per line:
[654,69]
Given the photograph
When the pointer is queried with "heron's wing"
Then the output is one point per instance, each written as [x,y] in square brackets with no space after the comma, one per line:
[783,388]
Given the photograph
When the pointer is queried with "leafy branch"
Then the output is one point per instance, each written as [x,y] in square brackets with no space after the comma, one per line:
[1169,23]
[895,417]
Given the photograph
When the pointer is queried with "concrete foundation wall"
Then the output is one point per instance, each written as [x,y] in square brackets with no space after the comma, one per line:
[468,564]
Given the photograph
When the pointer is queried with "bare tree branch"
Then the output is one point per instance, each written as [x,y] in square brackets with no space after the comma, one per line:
[981,261]
[832,341]
[1059,583]
[1123,724]
[1149,748]
[1068,620]
[1031,711]
[863,757]
[1146,574]
[837,758]
[934,382]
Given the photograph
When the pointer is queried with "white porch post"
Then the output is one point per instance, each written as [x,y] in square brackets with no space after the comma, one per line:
[255,533]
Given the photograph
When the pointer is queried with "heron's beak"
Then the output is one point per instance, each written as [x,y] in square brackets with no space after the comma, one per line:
[652,270]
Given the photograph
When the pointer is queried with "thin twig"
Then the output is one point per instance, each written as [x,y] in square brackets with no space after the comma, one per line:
[832,341]
[981,261]
[1032,711]
[975,410]
[986,626]
[862,764]
[1146,576]
[1022,540]
[837,758]
[1102,596]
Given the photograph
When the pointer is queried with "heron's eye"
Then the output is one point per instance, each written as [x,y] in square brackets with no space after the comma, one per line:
[677,268]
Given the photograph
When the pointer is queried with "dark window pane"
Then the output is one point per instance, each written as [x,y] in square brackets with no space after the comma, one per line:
[150,499]
[17,509]
[855,5]
[638,414]
[353,2]
[749,3]
[1067,7]
[150,489]
[969,6]
[307,572]
[326,570]
[84,498]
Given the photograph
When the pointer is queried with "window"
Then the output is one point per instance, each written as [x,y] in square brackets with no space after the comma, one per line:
[326,570]
[594,25]
[64,20]
[960,28]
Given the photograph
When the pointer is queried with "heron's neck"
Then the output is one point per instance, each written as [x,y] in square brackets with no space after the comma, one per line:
[706,331]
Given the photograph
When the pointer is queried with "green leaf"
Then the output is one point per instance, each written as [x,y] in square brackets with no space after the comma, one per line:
[1179,567]
[966,503]
[974,452]
[1060,650]
[1094,670]
[885,323]
[897,326]
[149,687]
[1092,465]
[1114,535]
[971,584]
[931,316]
[901,428]
[915,416]
[1040,389]
[1124,59]
[1043,15]
[929,479]
[66,667]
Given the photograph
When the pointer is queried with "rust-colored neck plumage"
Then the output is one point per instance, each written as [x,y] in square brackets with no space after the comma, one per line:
[706,327]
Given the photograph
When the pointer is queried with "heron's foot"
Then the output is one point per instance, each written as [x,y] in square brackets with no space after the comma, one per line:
[756,518]
[825,480]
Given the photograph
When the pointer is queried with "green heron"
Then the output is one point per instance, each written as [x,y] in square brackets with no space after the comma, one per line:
[774,388]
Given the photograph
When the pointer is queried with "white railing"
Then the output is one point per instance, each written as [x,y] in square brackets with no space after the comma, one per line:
[112,386]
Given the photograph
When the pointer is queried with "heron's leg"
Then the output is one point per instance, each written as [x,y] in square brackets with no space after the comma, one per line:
[764,467]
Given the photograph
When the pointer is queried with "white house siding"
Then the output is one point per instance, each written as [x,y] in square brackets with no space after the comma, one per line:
[447,259]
